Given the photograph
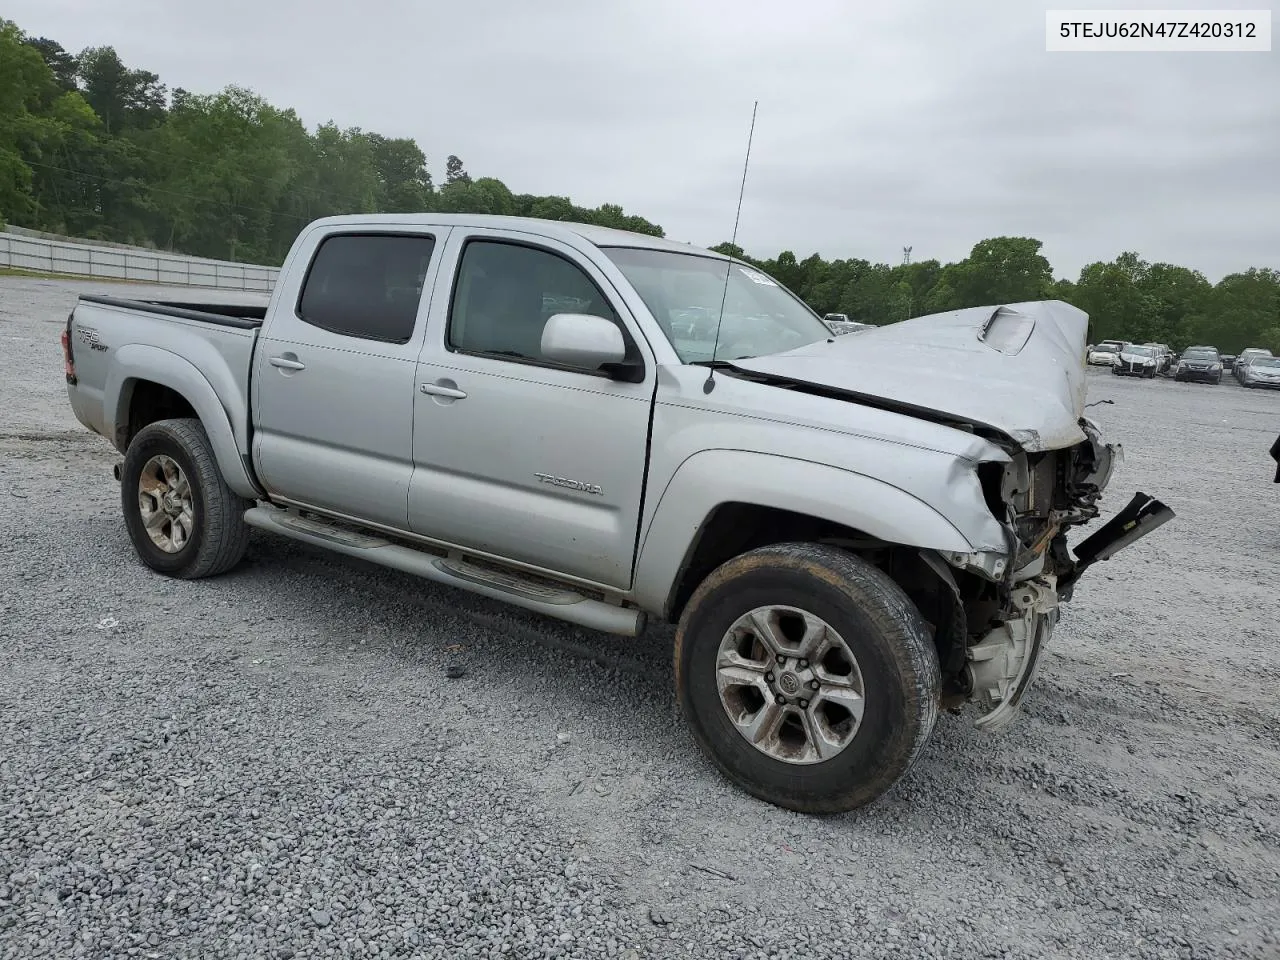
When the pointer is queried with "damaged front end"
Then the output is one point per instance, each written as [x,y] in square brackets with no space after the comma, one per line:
[1010,618]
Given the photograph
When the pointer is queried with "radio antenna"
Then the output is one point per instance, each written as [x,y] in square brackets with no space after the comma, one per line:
[710,383]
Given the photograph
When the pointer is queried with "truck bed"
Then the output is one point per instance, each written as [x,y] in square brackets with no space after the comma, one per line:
[202,352]
[240,315]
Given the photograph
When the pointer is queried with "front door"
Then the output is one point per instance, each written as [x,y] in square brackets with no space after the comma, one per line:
[334,377]
[516,455]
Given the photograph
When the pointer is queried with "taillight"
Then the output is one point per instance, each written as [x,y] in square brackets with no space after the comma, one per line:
[68,356]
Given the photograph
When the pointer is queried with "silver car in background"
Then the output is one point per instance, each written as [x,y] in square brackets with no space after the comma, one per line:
[1136,360]
[1262,372]
[1247,357]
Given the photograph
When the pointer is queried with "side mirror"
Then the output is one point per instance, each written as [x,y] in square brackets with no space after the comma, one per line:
[581,340]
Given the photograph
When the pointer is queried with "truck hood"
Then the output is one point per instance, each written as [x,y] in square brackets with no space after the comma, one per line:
[1016,368]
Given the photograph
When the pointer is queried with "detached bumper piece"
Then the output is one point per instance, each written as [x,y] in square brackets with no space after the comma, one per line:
[1143,514]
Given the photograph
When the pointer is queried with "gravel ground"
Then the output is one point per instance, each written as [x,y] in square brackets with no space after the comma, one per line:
[280,762]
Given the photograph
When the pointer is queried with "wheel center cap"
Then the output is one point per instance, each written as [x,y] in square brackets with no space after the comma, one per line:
[789,683]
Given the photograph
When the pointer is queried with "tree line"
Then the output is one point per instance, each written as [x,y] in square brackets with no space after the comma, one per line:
[92,148]
[1126,299]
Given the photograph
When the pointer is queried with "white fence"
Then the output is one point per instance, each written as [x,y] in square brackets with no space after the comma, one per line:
[136,264]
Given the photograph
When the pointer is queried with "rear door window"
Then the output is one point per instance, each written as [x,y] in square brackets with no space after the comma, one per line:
[367,286]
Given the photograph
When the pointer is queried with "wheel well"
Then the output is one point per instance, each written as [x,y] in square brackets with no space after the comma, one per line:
[735,528]
[146,402]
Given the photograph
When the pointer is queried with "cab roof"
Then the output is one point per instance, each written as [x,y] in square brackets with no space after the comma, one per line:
[556,229]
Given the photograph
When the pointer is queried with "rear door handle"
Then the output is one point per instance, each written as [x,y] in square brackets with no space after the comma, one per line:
[286,363]
[437,390]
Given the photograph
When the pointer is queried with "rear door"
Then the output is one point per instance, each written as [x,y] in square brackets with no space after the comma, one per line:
[334,374]
[516,455]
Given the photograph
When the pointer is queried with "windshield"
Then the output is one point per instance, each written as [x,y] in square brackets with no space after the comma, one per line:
[1256,352]
[1109,345]
[1199,355]
[1265,362]
[683,292]
[1139,351]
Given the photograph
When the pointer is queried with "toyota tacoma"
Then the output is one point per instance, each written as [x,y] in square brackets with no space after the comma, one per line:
[849,533]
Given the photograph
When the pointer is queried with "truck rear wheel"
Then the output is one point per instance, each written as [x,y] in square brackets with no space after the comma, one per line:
[182,517]
[807,676]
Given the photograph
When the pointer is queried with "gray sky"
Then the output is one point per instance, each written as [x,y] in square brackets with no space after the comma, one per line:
[933,124]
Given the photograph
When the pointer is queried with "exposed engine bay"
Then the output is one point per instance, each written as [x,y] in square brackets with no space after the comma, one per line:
[1040,497]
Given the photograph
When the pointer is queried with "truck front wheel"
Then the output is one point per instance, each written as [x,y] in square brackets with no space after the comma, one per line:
[807,676]
[182,517]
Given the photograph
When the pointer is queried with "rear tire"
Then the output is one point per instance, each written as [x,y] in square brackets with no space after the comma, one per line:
[825,749]
[182,517]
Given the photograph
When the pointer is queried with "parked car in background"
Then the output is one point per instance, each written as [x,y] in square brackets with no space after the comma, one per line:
[1199,364]
[1246,357]
[1262,372]
[1228,361]
[1136,360]
[1104,354]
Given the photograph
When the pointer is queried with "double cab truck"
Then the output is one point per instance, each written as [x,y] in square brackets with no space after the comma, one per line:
[849,534]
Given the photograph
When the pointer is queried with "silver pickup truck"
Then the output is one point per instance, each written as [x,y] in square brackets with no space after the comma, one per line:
[849,533]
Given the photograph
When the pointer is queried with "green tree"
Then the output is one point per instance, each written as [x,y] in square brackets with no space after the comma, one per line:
[93,148]
[1243,306]
[67,200]
[124,99]
[403,181]
[454,171]
[730,250]
[1179,298]
[62,65]
[27,86]
[1001,270]
[1270,338]
[1117,306]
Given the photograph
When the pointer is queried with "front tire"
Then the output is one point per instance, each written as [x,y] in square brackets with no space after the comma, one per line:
[182,517]
[844,648]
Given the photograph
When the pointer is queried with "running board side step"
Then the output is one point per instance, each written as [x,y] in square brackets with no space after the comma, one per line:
[563,603]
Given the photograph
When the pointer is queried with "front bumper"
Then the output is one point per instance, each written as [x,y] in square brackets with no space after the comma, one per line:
[1002,665]
[1266,384]
[1133,370]
[1198,376]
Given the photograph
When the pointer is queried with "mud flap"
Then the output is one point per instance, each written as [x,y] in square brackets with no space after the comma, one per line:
[1143,514]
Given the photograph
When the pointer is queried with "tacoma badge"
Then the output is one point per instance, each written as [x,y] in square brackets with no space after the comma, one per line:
[570,484]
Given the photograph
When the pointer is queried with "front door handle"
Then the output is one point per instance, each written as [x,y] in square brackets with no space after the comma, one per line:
[286,363]
[439,390]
